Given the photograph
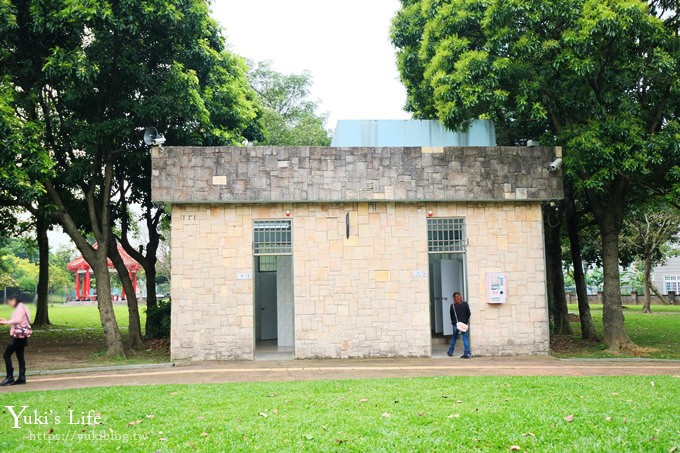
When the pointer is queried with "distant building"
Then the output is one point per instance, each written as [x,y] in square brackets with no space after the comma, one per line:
[355,250]
[667,277]
[427,133]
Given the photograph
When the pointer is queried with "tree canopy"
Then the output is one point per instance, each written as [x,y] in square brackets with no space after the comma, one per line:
[289,116]
[80,80]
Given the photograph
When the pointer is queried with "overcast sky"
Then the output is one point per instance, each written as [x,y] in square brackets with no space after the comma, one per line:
[344,44]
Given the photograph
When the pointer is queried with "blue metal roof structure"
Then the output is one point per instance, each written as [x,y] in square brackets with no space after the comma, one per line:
[424,133]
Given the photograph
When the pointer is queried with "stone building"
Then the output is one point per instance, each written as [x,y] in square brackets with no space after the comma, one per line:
[355,252]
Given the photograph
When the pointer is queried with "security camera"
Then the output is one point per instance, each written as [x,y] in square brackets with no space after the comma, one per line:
[158,141]
[555,165]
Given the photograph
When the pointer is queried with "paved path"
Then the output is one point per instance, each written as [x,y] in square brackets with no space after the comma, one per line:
[300,370]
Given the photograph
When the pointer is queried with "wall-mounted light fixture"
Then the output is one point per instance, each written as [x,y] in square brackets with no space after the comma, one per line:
[287,212]
[430,213]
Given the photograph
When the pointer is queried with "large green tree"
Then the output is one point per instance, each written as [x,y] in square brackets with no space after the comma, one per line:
[86,77]
[289,116]
[599,77]
[18,194]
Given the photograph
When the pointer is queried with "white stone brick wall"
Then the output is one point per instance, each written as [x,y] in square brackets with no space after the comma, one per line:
[212,311]
[356,297]
[505,238]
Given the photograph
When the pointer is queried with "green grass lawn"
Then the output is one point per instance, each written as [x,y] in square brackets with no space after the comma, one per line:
[573,308]
[425,414]
[78,317]
[657,334]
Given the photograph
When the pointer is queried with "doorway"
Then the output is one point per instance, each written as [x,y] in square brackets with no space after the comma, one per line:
[273,289]
[448,272]
[265,298]
[447,275]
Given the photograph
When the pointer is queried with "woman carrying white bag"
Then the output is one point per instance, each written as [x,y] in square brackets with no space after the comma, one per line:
[460,318]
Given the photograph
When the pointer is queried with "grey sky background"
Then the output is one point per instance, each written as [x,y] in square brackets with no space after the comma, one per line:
[345,45]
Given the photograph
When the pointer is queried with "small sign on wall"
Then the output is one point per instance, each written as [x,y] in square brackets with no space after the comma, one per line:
[243,277]
[496,288]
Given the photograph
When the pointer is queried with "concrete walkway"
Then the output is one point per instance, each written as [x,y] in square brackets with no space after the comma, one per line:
[301,370]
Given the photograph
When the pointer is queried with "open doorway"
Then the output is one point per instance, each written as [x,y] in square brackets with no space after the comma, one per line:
[448,274]
[273,290]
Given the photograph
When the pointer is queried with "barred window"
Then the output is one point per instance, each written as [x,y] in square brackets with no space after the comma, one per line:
[446,235]
[272,237]
[671,283]
[266,263]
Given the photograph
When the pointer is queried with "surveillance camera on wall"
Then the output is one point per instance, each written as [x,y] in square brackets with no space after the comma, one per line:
[555,165]
[153,138]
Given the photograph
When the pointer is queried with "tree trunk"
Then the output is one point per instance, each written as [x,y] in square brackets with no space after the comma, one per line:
[609,217]
[615,335]
[647,306]
[134,329]
[98,210]
[560,310]
[151,298]
[149,260]
[587,326]
[114,340]
[658,294]
[42,317]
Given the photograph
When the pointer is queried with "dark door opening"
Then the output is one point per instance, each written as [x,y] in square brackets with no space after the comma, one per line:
[273,287]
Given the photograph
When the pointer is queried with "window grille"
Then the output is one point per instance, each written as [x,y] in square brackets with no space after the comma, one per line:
[672,283]
[272,237]
[267,263]
[446,235]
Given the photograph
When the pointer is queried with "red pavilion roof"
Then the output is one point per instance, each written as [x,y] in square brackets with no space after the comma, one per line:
[80,263]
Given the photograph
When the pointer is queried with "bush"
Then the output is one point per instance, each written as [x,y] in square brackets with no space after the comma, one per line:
[158,320]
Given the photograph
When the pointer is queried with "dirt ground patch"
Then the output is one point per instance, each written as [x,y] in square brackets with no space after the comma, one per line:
[53,350]
[565,344]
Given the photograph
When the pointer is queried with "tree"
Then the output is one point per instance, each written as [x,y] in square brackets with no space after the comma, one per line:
[152,215]
[289,117]
[598,77]
[42,226]
[6,278]
[18,193]
[649,234]
[37,250]
[557,302]
[164,255]
[86,78]
[573,218]
[21,271]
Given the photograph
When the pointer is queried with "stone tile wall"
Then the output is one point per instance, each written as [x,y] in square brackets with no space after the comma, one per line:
[362,296]
[304,174]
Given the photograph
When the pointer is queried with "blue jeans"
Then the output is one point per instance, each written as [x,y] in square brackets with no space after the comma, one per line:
[466,340]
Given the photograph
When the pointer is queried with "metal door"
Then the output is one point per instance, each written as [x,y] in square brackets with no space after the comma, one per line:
[452,278]
[265,305]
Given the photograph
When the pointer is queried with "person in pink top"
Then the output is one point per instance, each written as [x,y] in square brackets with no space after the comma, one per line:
[20,325]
